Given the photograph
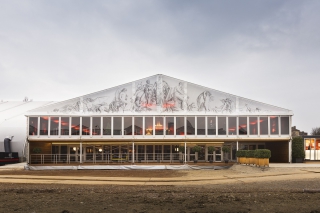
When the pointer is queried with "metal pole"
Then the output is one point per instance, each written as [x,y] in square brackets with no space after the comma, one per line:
[290,144]
[29,155]
[237,149]
[185,153]
[314,148]
[133,152]
[80,151]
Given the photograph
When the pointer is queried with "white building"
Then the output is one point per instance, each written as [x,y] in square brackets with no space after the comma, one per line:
[13,122]
[153,120]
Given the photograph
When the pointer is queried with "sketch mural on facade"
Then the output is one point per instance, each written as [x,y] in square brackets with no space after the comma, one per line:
[160,94]
[71,107]
[211,100]
[203,101]
[118,103]
[145,97]
[227,105]
[252,108]
[191,106]
[94,105]
[249,106]
[173,97]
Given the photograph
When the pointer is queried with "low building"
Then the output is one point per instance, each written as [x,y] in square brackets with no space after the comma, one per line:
[156,119]
[297,132]
[13,123]
[312,147]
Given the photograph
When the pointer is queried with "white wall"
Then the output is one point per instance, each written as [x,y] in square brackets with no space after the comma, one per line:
[14,123]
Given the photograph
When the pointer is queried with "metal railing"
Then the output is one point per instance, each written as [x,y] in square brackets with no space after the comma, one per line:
[107,158]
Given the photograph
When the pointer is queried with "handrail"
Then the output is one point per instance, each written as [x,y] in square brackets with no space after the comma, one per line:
[106,158]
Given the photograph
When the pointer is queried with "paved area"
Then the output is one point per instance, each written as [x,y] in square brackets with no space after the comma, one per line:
[240,188]
[237,173]
[295,165]
[13,166]
[311,164]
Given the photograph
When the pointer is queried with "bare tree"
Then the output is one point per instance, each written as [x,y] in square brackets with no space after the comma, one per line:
[315,131]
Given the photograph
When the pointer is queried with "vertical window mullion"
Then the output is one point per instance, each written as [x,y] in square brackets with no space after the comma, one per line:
[153,126]
[112,128]
[59,130]
[259,126]
[227,126]
[279,126]
[248,126]
[122,126]
[174,125]
[143,125]
[70,121]
[217,127]
[38,127]
[268,126]
[206,125]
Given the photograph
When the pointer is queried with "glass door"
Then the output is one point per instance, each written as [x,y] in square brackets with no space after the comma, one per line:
[166,152]
[149,153]
[158,153]
[89,154]
[74,152]
[202,153]
[217,154]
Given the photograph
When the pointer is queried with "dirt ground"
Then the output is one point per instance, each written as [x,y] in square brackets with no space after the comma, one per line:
[282,192]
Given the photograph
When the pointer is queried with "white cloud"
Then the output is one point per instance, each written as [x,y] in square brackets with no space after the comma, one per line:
[263,50]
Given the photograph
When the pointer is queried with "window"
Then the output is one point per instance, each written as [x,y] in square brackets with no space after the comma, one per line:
[253,128]
[55,149]
[96,126]
[284,125]
[65,125]
[127,125]
[85,125]
[75,126]
[106,126]
[222,125]
[117,125]
[148,126]
[263,125]
[159,125]
[170,126]
[211,125]
[44,124]
[54,126]
[138,126]
[190,125]
[33,125]
[232,122]
[201,125]
[243,126]
[274,125]
[180,126]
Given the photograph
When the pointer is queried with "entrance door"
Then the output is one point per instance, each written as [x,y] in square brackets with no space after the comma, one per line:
[202,153]
[217,154]
[167,152]
[158,153]
[89,154]
[74,152]
[149,153]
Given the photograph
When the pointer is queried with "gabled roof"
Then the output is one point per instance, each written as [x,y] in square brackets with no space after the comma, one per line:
[160,94]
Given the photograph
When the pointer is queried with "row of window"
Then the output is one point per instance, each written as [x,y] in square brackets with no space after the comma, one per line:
[211,125]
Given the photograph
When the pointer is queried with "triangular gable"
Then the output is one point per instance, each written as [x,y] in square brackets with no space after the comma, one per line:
[160,94]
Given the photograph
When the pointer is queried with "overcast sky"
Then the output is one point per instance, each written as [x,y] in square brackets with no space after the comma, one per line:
[267,51]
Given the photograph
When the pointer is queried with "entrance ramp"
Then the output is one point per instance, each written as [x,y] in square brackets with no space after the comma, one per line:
[125,167]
